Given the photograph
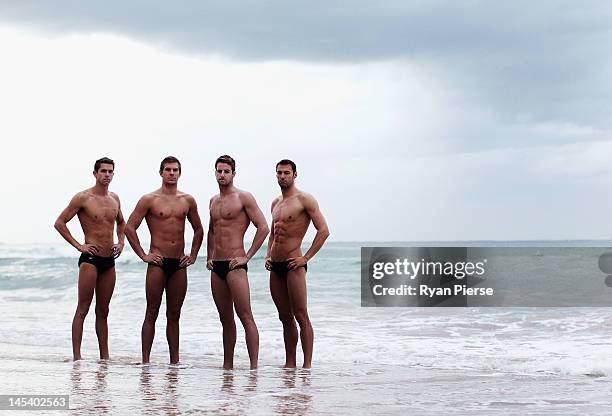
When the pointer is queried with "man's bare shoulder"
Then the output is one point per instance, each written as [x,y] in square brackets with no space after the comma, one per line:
[305,198]
[114,196]
[245,196]
[148,199]
[276,200]
[81,197]
[214,199]
[186,197]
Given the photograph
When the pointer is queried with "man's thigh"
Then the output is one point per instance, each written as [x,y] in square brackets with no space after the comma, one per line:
[155,283]
[239,287]
[280,295]
[221,295]
[105,285]
[296,288]
[176,289]
[88,273]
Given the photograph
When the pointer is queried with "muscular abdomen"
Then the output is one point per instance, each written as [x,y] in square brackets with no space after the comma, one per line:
[98,231]
[167,236]
[288,236]
[229,236]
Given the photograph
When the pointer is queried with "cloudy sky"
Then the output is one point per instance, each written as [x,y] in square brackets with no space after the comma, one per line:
[409,120]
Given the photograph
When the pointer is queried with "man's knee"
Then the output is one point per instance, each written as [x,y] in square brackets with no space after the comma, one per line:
[102,312]
[82,310]
[286,319]
[301,316]
[246,317]
[151,313]
[227,319]
[173,314]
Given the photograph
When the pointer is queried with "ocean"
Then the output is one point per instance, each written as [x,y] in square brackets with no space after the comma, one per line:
[482,361]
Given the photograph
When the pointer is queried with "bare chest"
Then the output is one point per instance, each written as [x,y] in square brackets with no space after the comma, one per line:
[288,211]
[226,209]
[101,209]
[163,209]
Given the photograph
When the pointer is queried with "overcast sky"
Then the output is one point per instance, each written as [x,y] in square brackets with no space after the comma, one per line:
[417,120]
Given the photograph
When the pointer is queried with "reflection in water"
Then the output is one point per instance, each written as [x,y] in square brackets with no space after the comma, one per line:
[251,386]
[227,406]
[104,388]
[171,396]
[295,398]
[148,394]
[227,384]
[233,399]
[101,399]
[75,378]
[95,397]
[168,393]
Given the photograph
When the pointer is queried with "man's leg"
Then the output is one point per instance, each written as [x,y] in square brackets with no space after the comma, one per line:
[280,296]
[105,285]
[87,283]
[223,299]
[155,283]
[296,285]
[239,286]
[176,288]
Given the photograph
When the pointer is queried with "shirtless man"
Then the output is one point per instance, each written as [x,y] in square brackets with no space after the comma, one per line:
[165,211]
[98,210]
[231,213]
[292,213]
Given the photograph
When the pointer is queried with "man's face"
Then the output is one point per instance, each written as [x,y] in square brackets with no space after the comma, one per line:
[105,173]
[170,173]
[285,176]
[224,174]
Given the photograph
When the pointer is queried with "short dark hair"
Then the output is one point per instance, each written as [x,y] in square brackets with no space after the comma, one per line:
[287,162]
[169,159]
[226,159]
[103,160]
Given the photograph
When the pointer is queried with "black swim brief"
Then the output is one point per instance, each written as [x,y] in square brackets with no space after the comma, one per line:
[102,263]
[281,268]
[170,266]
[221,268]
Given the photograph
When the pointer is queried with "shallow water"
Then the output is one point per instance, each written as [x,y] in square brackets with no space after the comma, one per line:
[367,360]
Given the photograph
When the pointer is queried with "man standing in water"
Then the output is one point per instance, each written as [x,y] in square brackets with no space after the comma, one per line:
[292,213]
[98,210]
[231,213]
[165,211]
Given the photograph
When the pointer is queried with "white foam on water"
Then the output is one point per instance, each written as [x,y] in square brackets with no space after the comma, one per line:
[366,359]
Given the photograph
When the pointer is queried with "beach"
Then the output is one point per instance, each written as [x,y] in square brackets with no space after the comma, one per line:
[366,360]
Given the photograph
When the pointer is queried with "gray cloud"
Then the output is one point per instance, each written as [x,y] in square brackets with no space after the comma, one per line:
[526,61]
[494,118]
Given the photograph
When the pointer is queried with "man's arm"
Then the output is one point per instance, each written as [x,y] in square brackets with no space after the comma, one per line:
[268,263]
[210,239]
[76,203]
[118,248]
[141,210]
[198,233]
[312,209]
[259,221]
